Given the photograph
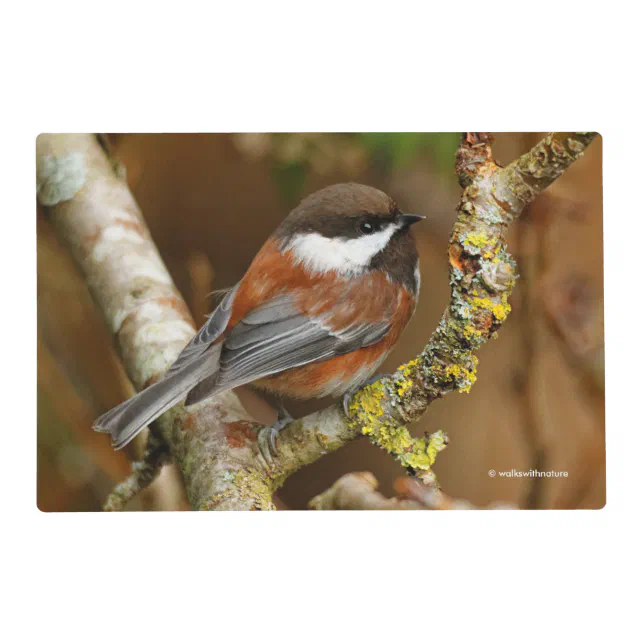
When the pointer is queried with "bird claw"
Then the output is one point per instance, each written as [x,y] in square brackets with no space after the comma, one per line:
[267,444]
[267,436]
[346,401]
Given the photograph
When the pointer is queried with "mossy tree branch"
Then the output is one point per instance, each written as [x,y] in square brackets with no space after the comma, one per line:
[215,445]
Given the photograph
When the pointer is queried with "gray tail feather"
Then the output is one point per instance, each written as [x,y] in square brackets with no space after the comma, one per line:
[126,420]
[206,388]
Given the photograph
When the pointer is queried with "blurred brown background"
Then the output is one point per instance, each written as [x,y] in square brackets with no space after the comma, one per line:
[211,201]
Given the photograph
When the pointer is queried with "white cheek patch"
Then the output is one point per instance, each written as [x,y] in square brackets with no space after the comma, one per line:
[320,254]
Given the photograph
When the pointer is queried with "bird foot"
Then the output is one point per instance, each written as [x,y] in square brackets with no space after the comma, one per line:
[267,436]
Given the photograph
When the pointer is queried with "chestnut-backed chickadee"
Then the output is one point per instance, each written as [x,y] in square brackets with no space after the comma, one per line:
[321,306]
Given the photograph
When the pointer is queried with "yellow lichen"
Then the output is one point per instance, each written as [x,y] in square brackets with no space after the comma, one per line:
[437,443]
[472,333]
[394,439]
[402,378]
[405,369]
[477,240]
[500,310]
[245,484]
[366,407]
[423,453]
[251,484]
[322,439]
[457,374]
[367,414]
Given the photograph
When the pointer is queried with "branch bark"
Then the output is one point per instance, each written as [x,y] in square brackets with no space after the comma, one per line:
[215,444]
[357,491]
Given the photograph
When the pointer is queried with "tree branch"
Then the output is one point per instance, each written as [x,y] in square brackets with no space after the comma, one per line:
[143,473]
[357,491]
[215,443]
[96,217]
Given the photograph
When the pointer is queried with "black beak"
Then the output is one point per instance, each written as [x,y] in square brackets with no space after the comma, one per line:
[408,220]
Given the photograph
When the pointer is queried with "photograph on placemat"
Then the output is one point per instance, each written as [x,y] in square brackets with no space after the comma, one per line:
[320,321]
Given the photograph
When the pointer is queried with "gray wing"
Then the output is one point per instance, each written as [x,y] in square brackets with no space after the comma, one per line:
[276,337]
[208,333]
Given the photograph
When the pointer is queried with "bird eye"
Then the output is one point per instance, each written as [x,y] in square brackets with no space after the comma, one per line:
[368,227]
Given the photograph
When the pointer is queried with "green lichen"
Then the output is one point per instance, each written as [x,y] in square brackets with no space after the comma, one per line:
[460,305]
[455,276]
